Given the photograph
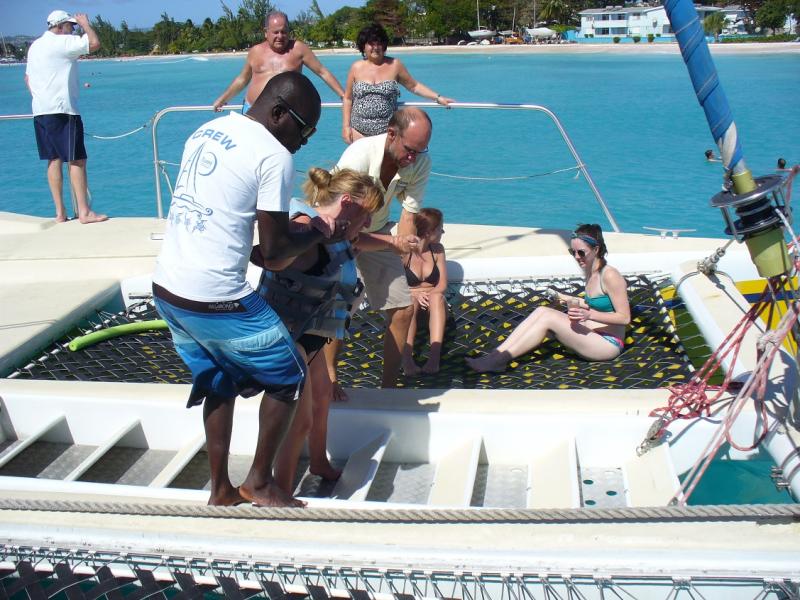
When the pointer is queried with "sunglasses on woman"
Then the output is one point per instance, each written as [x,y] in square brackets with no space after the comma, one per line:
[580,253]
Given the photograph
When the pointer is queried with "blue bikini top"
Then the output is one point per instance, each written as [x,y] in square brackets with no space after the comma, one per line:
[602,302]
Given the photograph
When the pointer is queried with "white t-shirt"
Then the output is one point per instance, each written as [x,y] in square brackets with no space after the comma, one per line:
[52,72]
[231,167]
[365,155]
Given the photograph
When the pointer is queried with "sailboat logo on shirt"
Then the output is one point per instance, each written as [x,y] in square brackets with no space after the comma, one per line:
[185,209]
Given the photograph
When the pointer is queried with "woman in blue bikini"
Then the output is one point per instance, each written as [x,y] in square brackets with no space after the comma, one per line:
[593,326]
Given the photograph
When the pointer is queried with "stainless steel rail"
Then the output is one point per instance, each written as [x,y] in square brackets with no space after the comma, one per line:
[427,105]
[71,191]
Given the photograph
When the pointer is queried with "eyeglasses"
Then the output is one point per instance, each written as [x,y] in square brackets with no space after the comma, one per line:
[412,152]
[306,130]
[580,253]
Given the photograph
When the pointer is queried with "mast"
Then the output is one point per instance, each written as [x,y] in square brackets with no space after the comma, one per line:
[478,12]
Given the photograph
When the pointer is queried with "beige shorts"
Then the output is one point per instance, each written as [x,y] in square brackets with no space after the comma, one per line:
[384,279]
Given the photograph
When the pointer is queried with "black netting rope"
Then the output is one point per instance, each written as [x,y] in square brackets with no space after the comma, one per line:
[481,315]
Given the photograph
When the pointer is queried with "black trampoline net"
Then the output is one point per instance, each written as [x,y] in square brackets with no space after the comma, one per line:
[481,316]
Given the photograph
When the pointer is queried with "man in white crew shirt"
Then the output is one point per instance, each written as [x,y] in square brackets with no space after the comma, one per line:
[237,171]
[52,78]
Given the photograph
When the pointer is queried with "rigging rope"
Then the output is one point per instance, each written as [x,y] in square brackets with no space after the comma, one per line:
[513,178]
[122,135]
[691,400]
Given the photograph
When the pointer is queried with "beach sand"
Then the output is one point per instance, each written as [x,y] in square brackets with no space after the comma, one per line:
[586,48]
[577,48]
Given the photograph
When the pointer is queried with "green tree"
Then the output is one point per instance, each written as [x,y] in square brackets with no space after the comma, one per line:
[714,24]
[301,25]
[772,15]
[390,14]
[108,35]
[555,11]
[230,30]
[448,17]
[165,32]
[139,42]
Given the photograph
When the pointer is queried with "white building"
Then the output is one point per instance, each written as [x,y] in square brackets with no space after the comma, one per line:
[629,21]
[735,19]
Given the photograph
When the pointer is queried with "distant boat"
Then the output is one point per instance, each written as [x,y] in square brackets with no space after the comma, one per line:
[482,34]
[540,33]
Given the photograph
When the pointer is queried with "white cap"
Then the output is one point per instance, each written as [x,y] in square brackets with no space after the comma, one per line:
[57,17]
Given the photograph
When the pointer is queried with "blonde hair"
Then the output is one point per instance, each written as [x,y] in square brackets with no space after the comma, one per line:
[323,188]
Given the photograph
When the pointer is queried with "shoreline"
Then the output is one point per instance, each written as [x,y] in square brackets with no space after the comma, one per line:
[583,48]
[657,48]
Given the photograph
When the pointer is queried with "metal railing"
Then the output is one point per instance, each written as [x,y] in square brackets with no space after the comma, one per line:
[579,164]
[71,190]
[44,572]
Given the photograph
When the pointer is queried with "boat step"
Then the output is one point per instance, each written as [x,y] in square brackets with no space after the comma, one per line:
[553,477]
[500,486]
[178,463]
[127,466]
[101,450]
[602,487]
[20,441]
[650,478]
[196,476]
[402,483]
[454,478]
[46,460]
[361,467]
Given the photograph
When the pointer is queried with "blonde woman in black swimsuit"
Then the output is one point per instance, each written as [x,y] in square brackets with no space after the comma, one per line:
[426,274]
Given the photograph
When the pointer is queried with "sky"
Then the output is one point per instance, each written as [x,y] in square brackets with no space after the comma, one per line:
[28,17]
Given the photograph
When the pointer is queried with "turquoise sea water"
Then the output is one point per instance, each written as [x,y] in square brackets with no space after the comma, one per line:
[633,118]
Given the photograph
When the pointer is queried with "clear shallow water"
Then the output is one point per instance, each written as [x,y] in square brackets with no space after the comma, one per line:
[634,120]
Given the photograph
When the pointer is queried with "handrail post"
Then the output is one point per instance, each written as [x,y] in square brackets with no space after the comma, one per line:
[578,161]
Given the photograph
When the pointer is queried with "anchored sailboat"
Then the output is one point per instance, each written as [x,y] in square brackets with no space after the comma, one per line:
[481,33]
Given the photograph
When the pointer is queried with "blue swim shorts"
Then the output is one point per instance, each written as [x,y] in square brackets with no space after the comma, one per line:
[59,136]
[232,348]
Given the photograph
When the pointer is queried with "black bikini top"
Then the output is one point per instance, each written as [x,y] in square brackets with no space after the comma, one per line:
[414,281]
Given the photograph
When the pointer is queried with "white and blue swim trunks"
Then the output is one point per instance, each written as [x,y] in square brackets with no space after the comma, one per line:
[232,347]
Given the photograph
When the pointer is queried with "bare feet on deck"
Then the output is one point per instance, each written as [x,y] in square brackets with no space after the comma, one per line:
[92,217]
[494,362]
[61,219]
[270,495]
[339,395]
[326,471]
[230,497]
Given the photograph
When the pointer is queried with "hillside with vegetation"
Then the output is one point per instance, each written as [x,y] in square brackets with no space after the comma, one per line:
[406,21]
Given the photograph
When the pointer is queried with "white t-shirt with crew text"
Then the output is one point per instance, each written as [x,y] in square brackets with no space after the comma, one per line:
[231,167]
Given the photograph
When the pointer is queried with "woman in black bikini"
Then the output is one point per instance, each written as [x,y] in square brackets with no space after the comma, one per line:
[426,274]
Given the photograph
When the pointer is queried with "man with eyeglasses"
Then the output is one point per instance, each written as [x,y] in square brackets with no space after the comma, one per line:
[276,54]
[51,75]
[398,160]
[237,173]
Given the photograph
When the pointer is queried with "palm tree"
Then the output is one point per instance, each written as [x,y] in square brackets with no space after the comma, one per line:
[714,23]
[555,11]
